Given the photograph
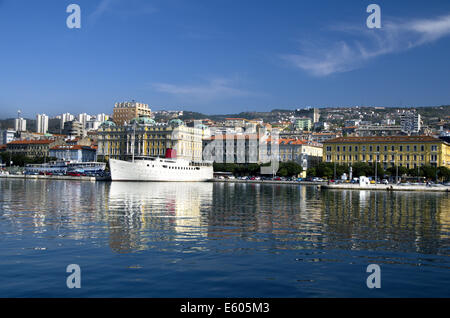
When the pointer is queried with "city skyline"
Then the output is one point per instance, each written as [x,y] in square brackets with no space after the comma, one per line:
[214,58]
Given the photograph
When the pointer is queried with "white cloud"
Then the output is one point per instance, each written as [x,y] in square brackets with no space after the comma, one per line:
[102,7]
[368,44]
[122,8]
[217,88]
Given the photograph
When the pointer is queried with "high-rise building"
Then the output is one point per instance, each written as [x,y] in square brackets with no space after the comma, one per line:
[316,115]
[73,128]
[41,123]
[410,122]
[20,124]
[303,123]
[6,136]
[126,111]
[101,117]
[66,117]
[83,119]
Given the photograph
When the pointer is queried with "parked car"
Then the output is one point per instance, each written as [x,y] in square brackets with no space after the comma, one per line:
[74,174]
[384,181]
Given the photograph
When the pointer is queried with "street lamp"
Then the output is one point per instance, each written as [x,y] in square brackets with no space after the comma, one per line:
[396,171]
[335,169]
[376,166]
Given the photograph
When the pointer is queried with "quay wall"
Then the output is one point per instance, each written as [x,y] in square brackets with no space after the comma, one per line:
[35,177]
[387,187]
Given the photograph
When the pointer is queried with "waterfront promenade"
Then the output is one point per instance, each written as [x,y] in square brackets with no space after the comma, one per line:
[321,185]
[387,187]
[34,177]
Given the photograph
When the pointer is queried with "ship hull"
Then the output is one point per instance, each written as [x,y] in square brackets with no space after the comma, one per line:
[159,170]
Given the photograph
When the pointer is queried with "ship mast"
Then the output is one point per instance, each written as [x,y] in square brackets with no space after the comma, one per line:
[133,140]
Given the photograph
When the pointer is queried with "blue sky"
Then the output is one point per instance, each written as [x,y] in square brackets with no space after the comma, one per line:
[217,56]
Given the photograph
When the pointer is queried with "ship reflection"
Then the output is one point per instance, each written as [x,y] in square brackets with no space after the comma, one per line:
[139,215]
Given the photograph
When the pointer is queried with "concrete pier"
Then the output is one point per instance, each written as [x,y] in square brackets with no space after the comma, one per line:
[387,187]
[36,177]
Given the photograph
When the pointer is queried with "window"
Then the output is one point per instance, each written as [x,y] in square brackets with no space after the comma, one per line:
[407,148]
[338,148]
[356,148]
[385,148]
[356,157]
[378,148]
[415,148]
[433,147]
[350,148]
[422,148]
[392,148]
[400,148]
[343,148]
[363,148]
[370,148]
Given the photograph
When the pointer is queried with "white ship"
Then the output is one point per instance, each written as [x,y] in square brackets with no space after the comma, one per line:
[159,169]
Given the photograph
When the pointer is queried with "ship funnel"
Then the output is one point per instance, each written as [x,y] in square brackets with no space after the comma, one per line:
[171,153]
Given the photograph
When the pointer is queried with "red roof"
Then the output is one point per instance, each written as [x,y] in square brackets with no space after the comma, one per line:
[384,139]
[31,142]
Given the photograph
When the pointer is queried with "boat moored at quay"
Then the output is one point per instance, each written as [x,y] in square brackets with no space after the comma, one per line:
[63,167]
[160,169]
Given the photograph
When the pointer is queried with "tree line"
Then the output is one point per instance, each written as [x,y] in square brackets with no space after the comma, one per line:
[22,160]
[330,170]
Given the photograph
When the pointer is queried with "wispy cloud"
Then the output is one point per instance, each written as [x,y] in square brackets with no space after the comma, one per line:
[123,8]
[213,89]
[102,7]
[367,44]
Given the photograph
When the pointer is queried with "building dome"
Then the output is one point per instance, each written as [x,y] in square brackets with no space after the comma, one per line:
[107,124]
[176,122]
[201,126]
[146,121]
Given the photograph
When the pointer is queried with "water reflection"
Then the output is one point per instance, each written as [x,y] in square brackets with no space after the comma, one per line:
[139,216]
[400,221]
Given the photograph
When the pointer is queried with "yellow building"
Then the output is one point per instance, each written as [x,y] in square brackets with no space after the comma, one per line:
[300,150]
[389,151]
[126,111]
[150,139]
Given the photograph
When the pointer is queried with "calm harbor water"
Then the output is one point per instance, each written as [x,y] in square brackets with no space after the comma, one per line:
[220,240]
